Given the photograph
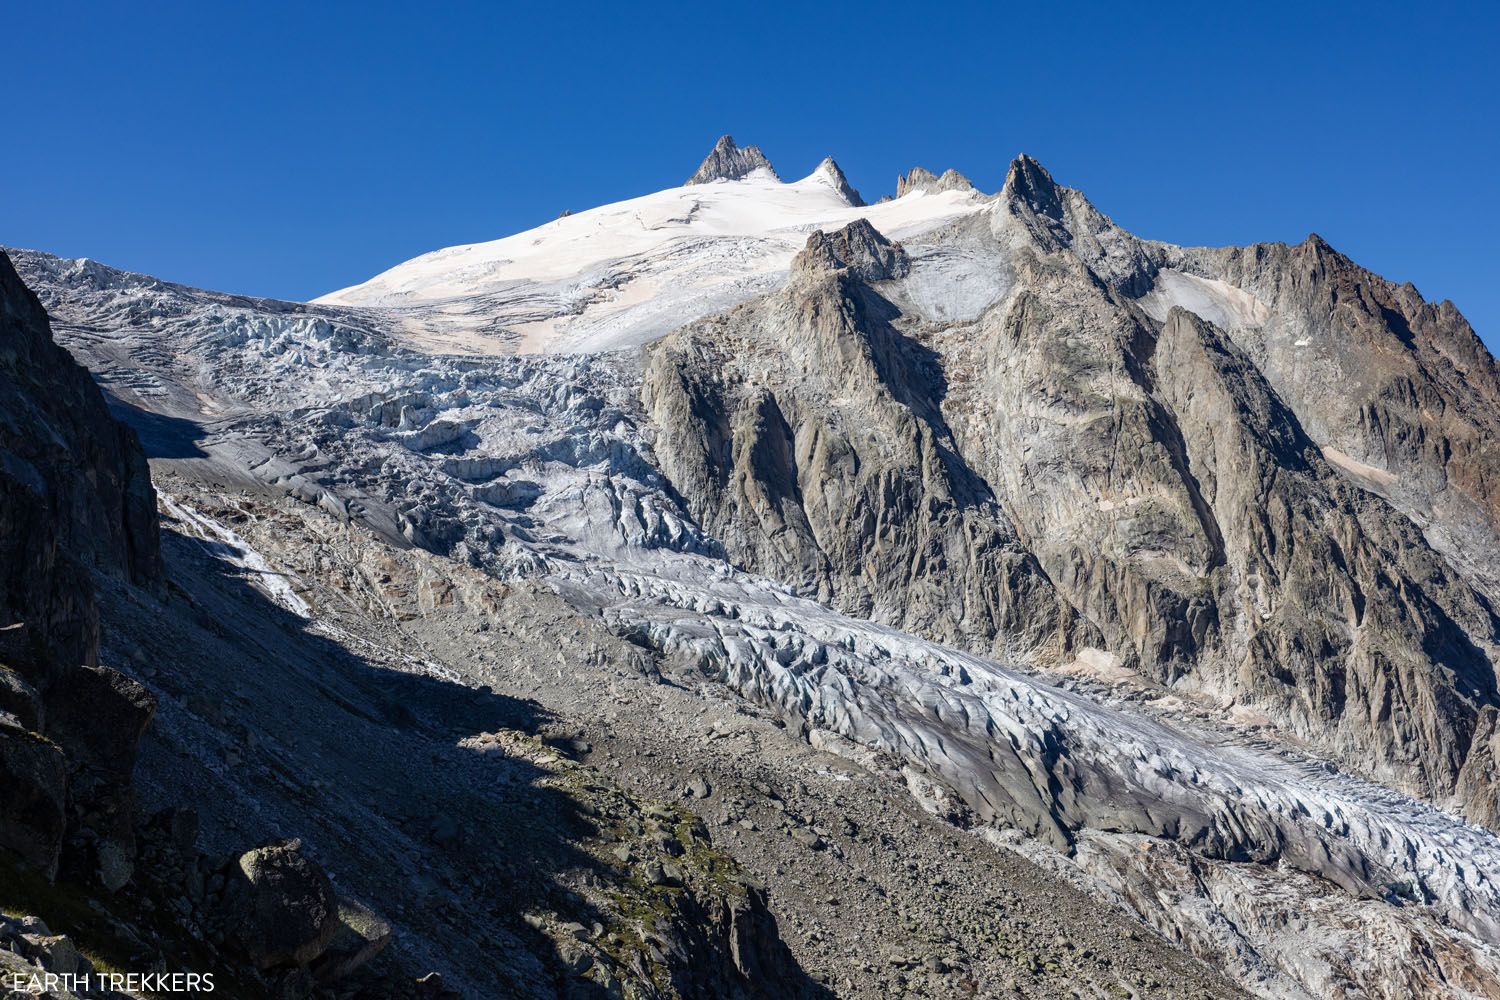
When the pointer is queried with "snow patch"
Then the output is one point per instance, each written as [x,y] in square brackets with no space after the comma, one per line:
[1358,469]
[1217,302]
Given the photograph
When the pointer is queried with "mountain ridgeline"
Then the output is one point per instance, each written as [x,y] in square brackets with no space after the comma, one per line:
[1261,474]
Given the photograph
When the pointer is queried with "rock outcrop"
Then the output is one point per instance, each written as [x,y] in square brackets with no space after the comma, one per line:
[729,162]
[75,496]
[34,774]
[921,179]
[1400,391]
[75,500]
[806,433]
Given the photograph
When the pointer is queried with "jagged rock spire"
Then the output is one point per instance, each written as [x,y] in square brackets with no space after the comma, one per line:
[729,162]
[830,170]
[1028,182]
[921,179]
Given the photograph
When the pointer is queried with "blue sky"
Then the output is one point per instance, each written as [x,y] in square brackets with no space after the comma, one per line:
[290,149]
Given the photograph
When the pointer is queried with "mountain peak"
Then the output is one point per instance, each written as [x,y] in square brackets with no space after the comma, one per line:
[729,162]
[835,177]
[922,179]
[1029,182]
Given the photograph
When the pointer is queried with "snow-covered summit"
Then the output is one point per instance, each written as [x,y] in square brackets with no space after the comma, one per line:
[627,273]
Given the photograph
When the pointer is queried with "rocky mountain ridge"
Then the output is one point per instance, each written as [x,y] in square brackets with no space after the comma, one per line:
[728,162]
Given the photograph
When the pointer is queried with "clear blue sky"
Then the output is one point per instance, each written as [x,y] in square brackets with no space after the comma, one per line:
[290,149]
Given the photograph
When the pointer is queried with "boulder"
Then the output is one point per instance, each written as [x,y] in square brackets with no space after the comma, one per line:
[280,906]
[55,953]
[99,715]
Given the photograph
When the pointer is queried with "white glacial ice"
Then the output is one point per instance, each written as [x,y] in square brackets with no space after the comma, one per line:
[629,272]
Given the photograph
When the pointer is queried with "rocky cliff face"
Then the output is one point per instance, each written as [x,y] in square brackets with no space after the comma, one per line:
[75,499]
[1400,391]
[1084,461]
[76,495]
[806,433]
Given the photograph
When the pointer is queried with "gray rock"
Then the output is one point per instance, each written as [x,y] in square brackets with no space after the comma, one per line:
[807,838]
[21,700]
[728,162]
[859,248]
[280,908]
[831,170]
[116,866]
[919,179]
[444,830]
[55,953]
[75,494]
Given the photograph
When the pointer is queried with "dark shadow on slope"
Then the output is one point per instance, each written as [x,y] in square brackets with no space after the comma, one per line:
[456,844]
[161,436]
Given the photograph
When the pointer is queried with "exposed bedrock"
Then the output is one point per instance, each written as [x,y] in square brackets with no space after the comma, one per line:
[1400,388]
[805,433]
[75,500]
[1066,471]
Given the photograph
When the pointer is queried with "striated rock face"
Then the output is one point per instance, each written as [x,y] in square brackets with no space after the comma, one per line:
[835,175]
[728,162]
[1097,457]
[1400,391]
